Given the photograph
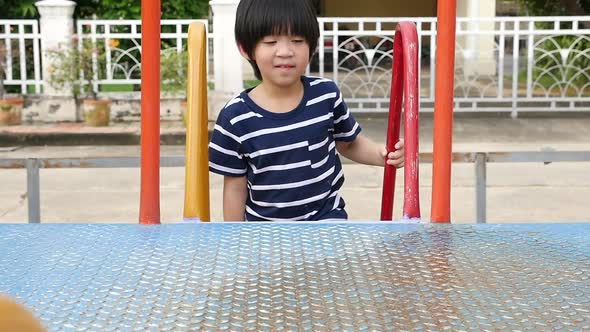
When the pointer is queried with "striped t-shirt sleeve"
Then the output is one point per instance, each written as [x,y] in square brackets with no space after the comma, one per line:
[345,126]
[225,157]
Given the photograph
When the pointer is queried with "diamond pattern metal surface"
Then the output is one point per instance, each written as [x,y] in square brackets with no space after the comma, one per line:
[316,277]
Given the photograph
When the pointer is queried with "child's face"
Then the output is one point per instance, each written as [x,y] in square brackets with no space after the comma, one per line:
[282,59]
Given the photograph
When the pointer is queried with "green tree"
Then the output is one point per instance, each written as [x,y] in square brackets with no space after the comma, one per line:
[557,7]
[131,9]
[17,9]
[173,70]
[552,71]
[109,9]
[74,68]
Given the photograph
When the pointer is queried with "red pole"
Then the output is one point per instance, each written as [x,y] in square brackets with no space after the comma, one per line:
[404,84]
[443,111]
[149,206]
[395,109]
[411,107]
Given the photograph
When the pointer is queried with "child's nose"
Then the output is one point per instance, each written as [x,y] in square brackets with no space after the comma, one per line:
[284,49]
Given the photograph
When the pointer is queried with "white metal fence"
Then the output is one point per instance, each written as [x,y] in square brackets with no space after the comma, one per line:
[20,54]
[121,42]
[502,64]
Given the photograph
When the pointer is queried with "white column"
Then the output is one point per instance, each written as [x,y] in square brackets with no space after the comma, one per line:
[57,29]
[227,59]
[478,56]
[472,12]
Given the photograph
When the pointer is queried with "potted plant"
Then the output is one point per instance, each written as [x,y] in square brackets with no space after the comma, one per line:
[11,107]
[173,75]
[74,68]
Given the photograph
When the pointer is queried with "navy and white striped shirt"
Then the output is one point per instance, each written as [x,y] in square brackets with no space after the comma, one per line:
[293,170]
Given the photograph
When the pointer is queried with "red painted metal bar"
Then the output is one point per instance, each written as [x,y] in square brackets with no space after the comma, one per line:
[404,87]
[149,206]
[443,111]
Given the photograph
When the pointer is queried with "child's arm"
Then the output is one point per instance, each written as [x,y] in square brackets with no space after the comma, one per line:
[234,198]
[364,151]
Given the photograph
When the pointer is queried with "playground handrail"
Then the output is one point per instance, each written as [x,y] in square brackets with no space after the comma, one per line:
[196,192]
[404,87]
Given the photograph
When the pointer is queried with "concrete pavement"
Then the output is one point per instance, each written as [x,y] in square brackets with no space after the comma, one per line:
[517,192]
[492,130]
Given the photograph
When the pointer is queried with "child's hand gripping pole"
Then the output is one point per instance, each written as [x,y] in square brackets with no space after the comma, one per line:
[404,84]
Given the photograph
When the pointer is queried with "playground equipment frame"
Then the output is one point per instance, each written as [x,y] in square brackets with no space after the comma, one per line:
[404,83]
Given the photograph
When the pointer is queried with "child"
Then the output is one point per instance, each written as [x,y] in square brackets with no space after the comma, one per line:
[276,144]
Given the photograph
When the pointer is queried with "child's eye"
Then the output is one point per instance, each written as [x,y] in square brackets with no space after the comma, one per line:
[298,41]
[269,42]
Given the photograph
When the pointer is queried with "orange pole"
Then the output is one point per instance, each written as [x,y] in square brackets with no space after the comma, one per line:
[149,205]
[443,111]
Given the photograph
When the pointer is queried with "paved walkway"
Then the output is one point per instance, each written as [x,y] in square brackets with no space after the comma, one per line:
[69,133]
[517,192]
[487,130]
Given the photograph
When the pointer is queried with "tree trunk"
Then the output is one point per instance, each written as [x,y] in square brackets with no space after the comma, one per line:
[574,8]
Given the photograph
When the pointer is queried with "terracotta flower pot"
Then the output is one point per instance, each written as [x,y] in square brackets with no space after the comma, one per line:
[11,111]
[97,113]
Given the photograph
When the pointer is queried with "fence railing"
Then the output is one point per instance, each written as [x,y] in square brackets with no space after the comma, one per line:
[502,64]
[121,42]
[507,64]
[20,54]
[479,159]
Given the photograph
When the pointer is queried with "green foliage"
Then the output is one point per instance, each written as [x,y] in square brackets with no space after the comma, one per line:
[73,67]
[110,9]
[17,9]
[131,9]
[556,7]
[562,62]
[251,83]
[117,87]
[173,71]
[176,9]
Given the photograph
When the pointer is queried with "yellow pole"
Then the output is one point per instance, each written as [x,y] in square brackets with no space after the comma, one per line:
[196,185]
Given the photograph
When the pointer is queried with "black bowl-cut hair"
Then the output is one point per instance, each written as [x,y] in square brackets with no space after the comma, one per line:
[256,19]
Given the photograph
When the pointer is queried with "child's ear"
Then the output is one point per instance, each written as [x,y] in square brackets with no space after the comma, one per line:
[243,53]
